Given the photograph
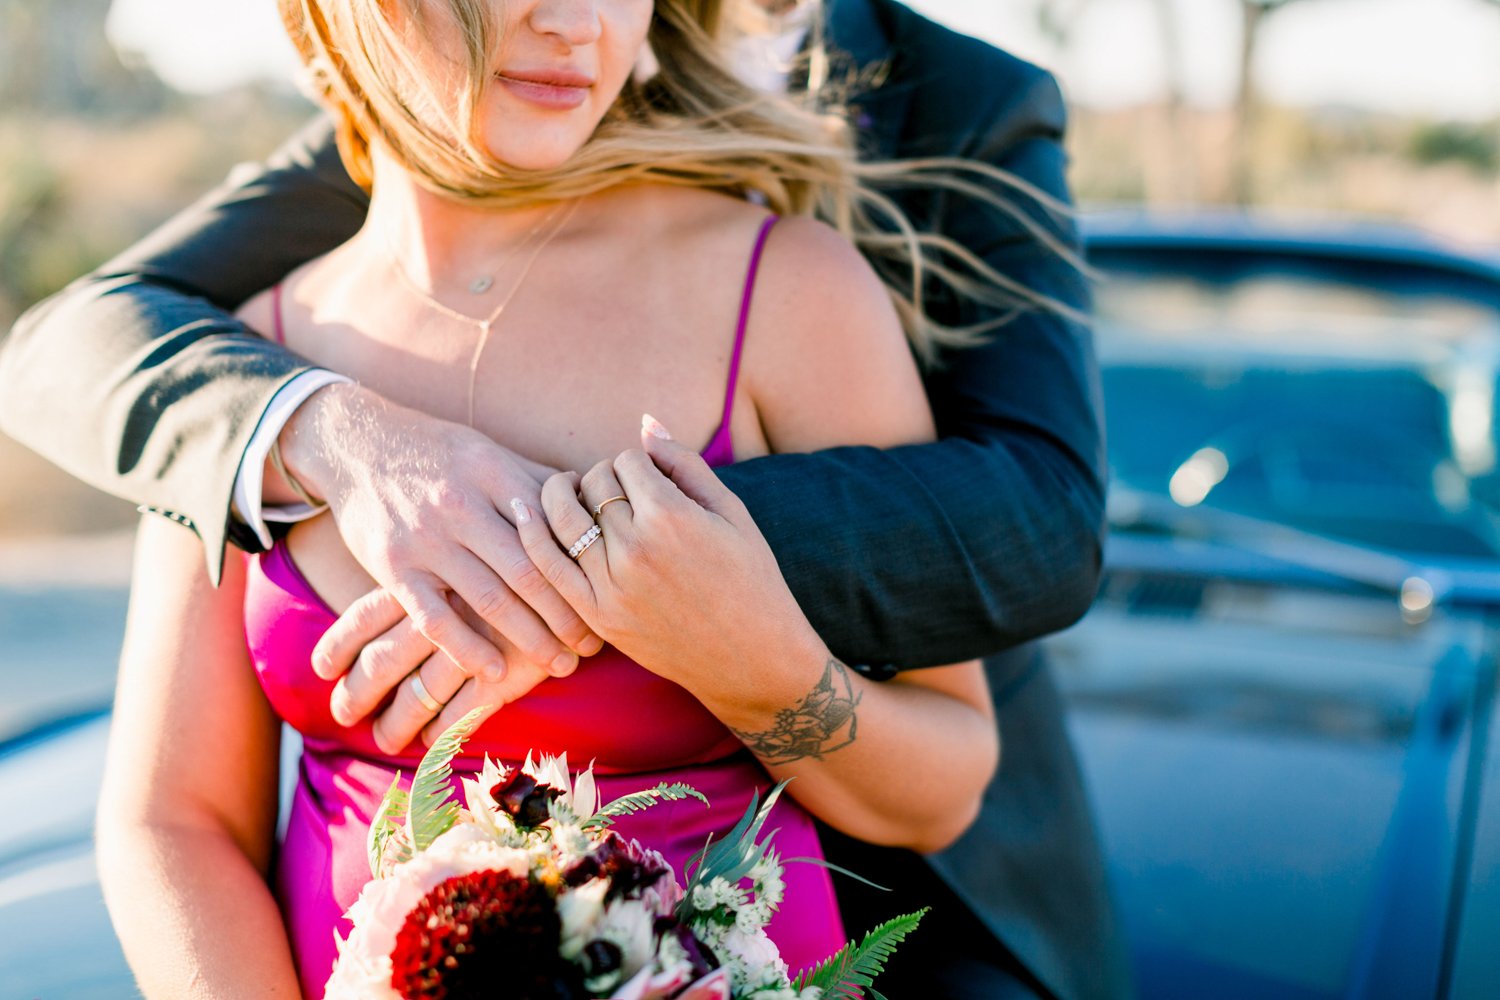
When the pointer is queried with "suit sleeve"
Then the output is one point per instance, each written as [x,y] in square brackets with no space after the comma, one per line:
[991,536]
[137,380]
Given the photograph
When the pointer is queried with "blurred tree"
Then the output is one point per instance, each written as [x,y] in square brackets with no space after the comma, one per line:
[1253,16]
[1056,19]
[1167,163]
[54,57]
[1476,146]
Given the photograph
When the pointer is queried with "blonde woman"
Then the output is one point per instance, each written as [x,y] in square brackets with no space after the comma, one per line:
[526,175]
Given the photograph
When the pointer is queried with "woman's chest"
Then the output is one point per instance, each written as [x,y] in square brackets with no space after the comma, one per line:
[562,374]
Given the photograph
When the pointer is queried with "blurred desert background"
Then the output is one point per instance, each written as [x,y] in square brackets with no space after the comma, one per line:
[114,115]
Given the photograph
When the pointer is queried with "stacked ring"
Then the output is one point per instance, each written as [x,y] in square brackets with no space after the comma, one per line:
[584,541]
[599,507]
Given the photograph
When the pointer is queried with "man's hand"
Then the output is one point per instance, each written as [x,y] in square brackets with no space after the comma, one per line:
[418,502]
[374,647]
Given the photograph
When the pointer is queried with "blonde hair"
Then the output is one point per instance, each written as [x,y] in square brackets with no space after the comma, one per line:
[692,123]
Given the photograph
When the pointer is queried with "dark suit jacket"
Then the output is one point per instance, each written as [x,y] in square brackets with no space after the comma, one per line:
[136,380]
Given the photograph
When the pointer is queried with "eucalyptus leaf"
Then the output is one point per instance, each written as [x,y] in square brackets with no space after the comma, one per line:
[733,857]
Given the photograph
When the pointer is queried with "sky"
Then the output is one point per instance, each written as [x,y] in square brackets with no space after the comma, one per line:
[1438,58]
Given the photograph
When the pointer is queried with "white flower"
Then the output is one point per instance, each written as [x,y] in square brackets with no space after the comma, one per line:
[753,960]
[751,919]
[627,924]
[482,806]
[582,796]
[580,910]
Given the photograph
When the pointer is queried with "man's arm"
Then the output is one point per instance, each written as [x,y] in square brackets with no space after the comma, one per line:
[932,553]
[136,380]
[990,537]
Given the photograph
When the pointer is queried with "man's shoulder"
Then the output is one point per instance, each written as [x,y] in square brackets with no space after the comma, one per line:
[953,75]
[932,47]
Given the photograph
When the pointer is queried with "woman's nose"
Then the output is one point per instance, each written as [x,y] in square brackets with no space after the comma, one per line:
[573,21]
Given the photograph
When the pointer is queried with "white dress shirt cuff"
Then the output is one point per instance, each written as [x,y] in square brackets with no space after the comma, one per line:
[249,482]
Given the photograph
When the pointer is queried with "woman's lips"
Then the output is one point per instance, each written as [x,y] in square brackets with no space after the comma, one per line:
[555,91]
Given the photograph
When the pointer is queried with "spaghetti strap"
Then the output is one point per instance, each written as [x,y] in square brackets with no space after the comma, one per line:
[744,323]
[276,327]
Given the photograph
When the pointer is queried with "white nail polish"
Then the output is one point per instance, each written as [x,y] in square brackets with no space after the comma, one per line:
[522,512]
[654,427]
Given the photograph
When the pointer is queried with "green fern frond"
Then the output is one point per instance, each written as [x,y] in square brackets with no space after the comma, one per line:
[432,812]
[389,819]
[645,799]
[848,973]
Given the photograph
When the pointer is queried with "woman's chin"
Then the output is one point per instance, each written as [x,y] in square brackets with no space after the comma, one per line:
[538,152]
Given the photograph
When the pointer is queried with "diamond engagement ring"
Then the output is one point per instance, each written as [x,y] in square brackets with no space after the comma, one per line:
[599,507]
[584,541]
[420,692]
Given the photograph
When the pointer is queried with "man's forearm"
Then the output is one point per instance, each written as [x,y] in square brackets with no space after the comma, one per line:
[160,419]
[932,553]
[135,380]
[992,536]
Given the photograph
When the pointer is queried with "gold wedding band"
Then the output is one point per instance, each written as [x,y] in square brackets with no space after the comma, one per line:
[419,690]
[599,507]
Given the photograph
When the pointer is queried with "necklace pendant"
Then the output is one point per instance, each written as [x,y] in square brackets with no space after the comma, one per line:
[481,285]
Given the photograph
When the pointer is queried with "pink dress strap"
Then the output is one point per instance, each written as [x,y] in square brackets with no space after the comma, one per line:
[720,450]
[276,328]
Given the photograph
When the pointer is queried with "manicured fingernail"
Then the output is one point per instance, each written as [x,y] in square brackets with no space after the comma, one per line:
[590,646]
[523,512]
[493,672]
[654,427]
[564,664]
[338,707]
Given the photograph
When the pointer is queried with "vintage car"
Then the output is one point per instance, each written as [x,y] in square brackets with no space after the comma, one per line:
[1283,700]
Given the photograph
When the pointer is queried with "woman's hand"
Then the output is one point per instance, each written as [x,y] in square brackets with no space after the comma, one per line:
[673,554]
[681,581]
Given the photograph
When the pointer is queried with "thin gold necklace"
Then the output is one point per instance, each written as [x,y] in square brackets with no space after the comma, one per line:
[487,324]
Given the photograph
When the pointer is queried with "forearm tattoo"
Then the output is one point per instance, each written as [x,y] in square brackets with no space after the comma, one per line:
[822,722]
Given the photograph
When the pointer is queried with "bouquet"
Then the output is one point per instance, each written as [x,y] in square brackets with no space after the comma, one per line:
[525,892]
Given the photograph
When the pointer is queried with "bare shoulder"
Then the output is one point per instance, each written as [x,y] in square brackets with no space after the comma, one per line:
[813,280]
[259,313]
[828,360]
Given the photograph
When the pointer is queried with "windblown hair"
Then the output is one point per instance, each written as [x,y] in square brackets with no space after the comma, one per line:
[691,123]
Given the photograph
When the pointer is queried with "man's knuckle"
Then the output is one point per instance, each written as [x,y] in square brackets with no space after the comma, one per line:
[493,602]
[433,622]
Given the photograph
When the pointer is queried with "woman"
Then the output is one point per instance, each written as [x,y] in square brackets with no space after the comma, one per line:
[554,247]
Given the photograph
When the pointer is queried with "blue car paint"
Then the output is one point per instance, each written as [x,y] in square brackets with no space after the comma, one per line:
[1259,845]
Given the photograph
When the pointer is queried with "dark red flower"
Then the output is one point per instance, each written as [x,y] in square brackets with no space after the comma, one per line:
[525,800]
[699,955]
[484,934]
[614,858]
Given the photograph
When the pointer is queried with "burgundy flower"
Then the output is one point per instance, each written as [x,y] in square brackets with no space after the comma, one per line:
[475,931]
[701,957]
[524,799]
[627,868]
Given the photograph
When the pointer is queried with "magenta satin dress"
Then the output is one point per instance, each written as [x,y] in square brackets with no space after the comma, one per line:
[637,728]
